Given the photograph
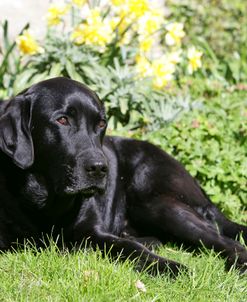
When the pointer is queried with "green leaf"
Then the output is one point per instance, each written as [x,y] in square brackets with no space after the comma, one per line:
[38,77]
[22,80]
[70,67]
[123,105]
[55,70]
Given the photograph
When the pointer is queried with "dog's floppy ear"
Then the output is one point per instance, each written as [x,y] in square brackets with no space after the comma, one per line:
[15,135]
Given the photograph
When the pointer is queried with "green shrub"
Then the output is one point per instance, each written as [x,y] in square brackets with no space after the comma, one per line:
[219,27]
[10,61]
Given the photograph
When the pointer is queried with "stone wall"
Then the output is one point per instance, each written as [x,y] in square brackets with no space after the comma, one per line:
[20,12]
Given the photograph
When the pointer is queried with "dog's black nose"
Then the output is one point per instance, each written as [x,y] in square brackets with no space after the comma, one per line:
[96,169]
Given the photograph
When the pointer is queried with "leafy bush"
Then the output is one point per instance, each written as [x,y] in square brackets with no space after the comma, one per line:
[10,62]
[212,144]
[126,50]
[219,28]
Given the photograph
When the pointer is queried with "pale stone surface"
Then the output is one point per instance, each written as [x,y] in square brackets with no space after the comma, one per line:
[20,12]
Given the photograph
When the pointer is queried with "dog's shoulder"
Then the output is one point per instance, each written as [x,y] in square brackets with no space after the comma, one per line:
[120,143]
[128,148]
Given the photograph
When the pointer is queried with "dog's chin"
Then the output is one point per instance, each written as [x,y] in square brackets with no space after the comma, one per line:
[92,191]
[84,192]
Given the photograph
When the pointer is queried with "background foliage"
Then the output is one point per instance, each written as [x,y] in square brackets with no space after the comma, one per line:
[220,28]
[132,78]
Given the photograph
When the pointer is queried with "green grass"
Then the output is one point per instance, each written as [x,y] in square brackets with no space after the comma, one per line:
[51,275]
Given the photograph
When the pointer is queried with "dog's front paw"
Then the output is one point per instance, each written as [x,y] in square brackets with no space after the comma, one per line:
[243,269]
[163,266]
[238,261]
[173,268]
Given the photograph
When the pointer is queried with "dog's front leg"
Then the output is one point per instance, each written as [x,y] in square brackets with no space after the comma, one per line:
[89,226]
[129,249]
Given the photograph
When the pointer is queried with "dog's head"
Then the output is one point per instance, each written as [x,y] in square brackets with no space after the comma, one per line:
[56,128]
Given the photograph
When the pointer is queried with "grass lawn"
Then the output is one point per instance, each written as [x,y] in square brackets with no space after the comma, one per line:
[85,276]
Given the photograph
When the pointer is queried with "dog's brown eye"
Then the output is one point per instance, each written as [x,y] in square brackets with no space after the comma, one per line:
[102,124]
[63,120]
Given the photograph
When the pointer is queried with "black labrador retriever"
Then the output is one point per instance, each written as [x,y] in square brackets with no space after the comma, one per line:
[58,174]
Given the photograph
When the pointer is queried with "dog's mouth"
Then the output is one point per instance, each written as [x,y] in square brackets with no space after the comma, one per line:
[91,191]
[85,192]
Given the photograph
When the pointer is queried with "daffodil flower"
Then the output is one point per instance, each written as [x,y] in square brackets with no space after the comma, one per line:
[55,13]
[150,22]
[79,2]
[95,31]
[145,43]
[27,44]
[118,2]
[143,66]
[163,72]
[194,57]
[133,9]
[175,33]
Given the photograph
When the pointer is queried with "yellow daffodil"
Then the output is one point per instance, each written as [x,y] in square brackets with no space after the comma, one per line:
[163,71]
[79,2]
[137,8]
[27,44]
[55,13]
[118,2]
[131,8]
[95,31]
[143,67]
[79,34]
[175,33]
[150,22]
[145,43]
[194,57]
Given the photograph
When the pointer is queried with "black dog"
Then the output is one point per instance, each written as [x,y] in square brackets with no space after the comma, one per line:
[58,174]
